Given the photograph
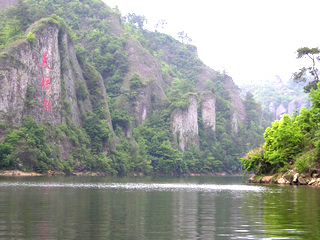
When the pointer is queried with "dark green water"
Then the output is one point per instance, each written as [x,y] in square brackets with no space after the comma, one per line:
[155,208]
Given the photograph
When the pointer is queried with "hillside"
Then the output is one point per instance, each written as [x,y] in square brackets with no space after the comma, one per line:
[278,97]
[290,153]
[82,90]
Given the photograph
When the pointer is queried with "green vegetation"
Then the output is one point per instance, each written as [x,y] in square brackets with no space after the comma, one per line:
[290,142]
[30,96]
[31,37]
[275,91]
[301,76]
[109,138]
[81,91]
[156,138]
[26,147]
[135,81]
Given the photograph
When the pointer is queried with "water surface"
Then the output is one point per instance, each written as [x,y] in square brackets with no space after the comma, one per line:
[155,208]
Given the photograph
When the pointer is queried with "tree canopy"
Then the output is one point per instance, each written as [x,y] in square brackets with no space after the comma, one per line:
[301,75]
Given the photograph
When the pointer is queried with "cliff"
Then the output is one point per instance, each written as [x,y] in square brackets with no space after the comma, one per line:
[238,109]
[6,3]
[208,110]
[45,76]
[185,125]
[141,62]
[41,77]
[22,70]
[112,96]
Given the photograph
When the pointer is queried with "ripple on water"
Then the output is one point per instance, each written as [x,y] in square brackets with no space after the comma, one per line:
[140,186]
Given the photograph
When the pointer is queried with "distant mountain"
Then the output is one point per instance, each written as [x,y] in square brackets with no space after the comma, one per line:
[278,97]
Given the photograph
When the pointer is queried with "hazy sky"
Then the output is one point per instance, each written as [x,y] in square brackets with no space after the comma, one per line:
[253,40]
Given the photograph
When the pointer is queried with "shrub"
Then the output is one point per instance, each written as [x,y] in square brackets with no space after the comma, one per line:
[306,161]
[135,81]
[81,91]
[31,38]
[283,141]
[255,161]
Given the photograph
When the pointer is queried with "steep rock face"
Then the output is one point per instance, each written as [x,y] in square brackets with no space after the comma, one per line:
[205,74]
[32,67]
[105,100]
[143,63]
[7,3]
[280,111]
[272,109]
[73,77]
[174,53]
[234,121]
[185,125]
[296,105]
[292,107]
[208,110]
[39,77]
[115,24]
[98,96]
[238,111]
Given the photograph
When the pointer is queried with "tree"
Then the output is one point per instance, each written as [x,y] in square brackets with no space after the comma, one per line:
[252,109]
[160,24]
[313,54]
[136,20]
[184,36]
[283,141]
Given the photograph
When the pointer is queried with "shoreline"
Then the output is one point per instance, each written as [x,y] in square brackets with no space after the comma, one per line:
[19,173]
[291,177]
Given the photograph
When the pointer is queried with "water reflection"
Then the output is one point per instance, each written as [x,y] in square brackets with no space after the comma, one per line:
[192,209]
[138,186]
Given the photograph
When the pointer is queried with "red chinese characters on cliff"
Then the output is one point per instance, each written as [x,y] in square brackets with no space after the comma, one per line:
[46,104]
[45,60]
[46,86]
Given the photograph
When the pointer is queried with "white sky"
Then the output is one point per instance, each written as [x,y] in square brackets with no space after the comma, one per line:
[253,40]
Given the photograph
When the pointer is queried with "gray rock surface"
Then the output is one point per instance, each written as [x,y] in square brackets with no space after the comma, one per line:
[281,110]
[208,110]
[185,125]
[6,3]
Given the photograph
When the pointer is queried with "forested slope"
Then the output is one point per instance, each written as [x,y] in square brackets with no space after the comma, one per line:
[84,90]
[291,146]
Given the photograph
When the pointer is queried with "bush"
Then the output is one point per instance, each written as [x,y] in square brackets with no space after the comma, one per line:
[98,132]
[283,141]
[67,166]
[135,81]
[120,162]
[29,102]
[31,38]
[81,91]
[306,161]
[255,161]
[26,148]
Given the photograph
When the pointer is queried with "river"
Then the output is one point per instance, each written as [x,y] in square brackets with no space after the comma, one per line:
[155,208]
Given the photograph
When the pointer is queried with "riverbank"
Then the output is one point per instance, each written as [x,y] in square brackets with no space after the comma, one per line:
[18,173]
[291,177]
